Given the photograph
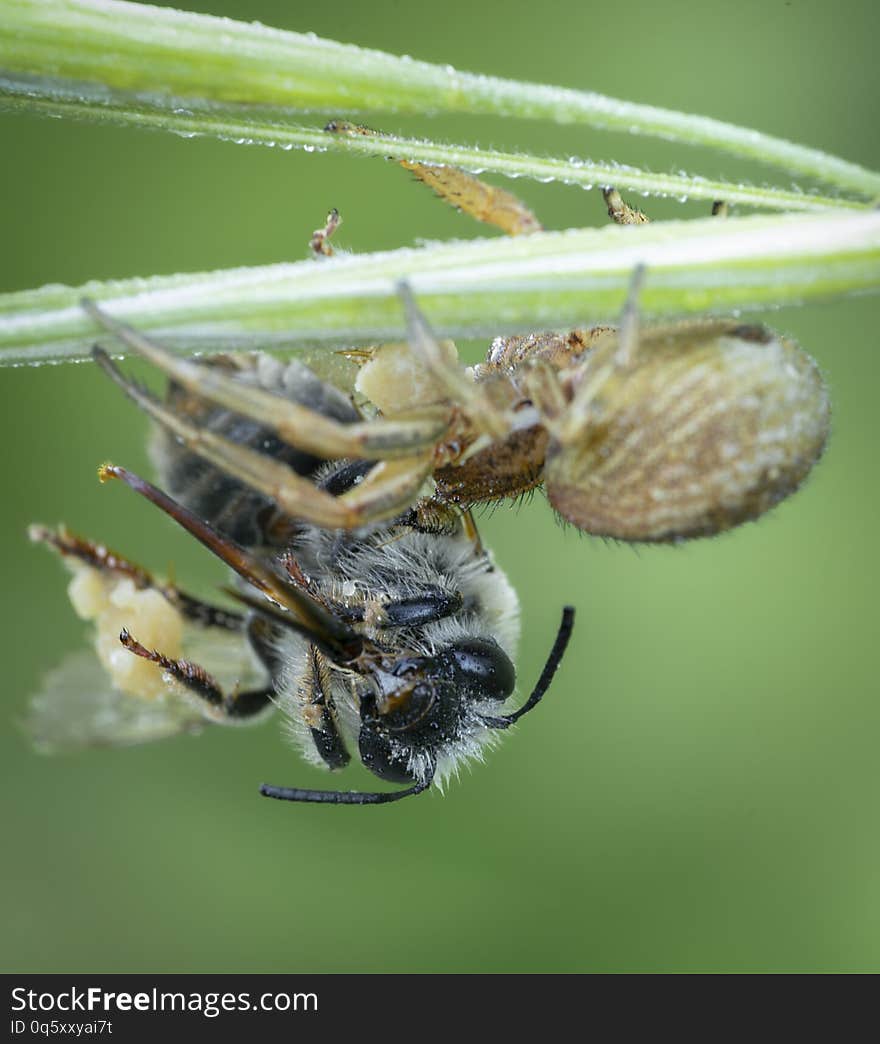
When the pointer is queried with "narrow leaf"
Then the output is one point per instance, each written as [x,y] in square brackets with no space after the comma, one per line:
[165,54]
[256,127]
[479,288]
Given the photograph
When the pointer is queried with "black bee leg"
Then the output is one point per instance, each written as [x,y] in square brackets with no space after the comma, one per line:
[421,609]
[314,704]
[200,613]
[300,610]
[550,667]
[432,604]
[342,797]
[101,558]
[236,705]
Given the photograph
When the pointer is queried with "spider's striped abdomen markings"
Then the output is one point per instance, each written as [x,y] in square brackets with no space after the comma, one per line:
[709,425]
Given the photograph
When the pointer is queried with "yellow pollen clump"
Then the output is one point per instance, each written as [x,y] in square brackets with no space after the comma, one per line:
[395,379]
[112,603]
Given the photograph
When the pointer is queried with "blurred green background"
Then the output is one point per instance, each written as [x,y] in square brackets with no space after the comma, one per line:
[700,789]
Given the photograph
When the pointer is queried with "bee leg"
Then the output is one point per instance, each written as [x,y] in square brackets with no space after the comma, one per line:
[297,608]
[620,212]
[342,797]
[461,389]
[421,609]
[297,425]
[235,705]
[101,558]
[387,490]
[314,704]
[563,635]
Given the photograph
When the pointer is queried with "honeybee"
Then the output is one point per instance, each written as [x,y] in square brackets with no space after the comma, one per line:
[372,614]
[395,639]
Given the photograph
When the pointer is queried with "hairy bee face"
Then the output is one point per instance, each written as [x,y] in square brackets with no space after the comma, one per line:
[428,706]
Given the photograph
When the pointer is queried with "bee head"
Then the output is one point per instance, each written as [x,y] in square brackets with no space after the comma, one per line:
[424,704]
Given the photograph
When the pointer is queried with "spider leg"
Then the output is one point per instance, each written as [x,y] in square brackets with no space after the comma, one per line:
[544,387]
[460,388]
[612,358]
[389,487]
[628,335]
[304,428]
[466,192]
[477,198]
[620,212]
[320,241]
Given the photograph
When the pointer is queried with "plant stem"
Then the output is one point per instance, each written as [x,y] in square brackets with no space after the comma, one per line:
[260,128]
[167,54]
[484,287]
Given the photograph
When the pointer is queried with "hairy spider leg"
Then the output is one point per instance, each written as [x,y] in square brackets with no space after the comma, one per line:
[301,427]
[389,487]
[320,241]
[617,355]
[461,389]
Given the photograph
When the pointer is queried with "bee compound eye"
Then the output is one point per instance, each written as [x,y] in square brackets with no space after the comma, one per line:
[482,667]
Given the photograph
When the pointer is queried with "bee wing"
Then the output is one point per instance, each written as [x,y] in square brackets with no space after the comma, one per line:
[77,706]
[227,656]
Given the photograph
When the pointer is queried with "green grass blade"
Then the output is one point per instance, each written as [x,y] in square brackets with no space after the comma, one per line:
[263,128]
[480,288]
[162,54]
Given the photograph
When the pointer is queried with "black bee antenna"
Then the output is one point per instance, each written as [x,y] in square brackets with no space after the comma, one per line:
[566,625]
[343,797]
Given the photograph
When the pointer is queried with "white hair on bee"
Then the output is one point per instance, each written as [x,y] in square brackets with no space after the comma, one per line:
[365,574]
[373,616]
